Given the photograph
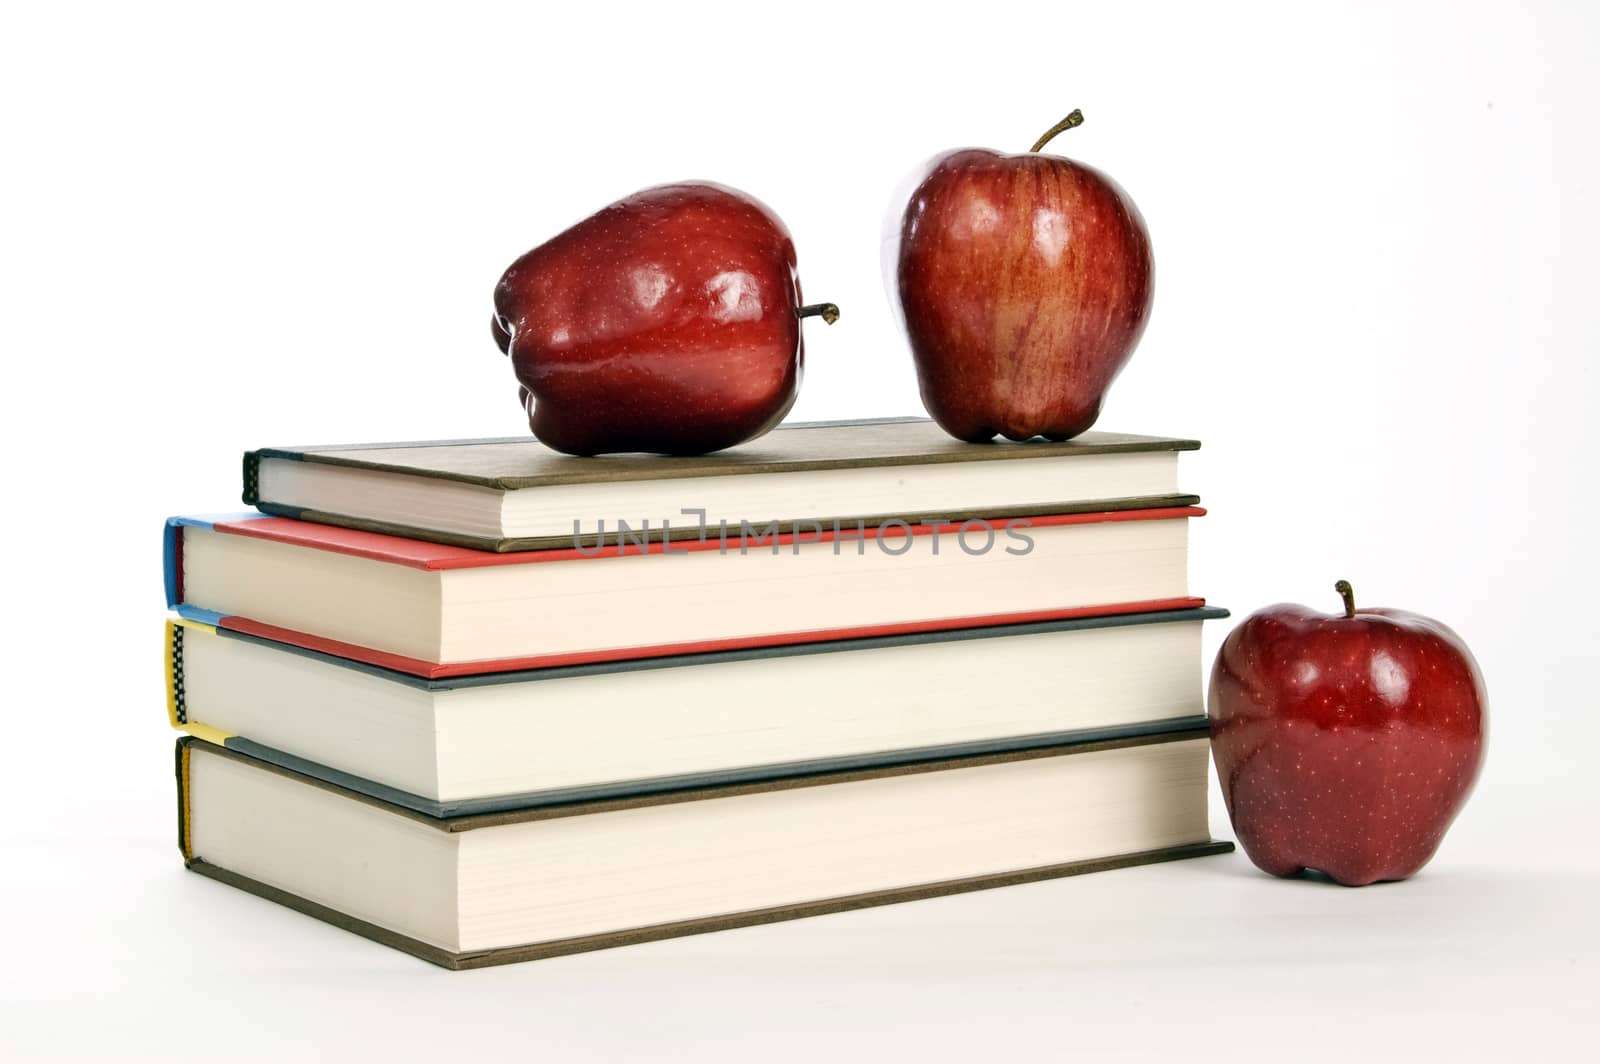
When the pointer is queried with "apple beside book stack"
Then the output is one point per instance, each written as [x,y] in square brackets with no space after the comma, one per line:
[1346,744]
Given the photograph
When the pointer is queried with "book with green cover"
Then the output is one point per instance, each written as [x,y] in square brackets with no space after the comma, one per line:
[516,494]
[470,891]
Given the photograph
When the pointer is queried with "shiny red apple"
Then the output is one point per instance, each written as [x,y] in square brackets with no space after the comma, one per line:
[668,322]
[1348,743]
[1024,282]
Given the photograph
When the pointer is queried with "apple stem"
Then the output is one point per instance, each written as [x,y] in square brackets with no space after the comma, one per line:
[1074,119]
[826,311]
[1347,593]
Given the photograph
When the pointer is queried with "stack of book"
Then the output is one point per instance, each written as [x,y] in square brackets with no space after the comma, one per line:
[485,703]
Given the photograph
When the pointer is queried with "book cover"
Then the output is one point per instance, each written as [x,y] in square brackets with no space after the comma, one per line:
[560,947]
[429,556]
[180,717]
[518,464]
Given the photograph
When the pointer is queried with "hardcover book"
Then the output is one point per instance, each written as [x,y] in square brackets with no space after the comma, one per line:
[436,610]
[551,736]
[516,494]
[465,892]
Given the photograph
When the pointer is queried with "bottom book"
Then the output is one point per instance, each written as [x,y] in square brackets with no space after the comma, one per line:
[493,888]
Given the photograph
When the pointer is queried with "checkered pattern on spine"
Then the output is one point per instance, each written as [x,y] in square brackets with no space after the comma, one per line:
[177,674]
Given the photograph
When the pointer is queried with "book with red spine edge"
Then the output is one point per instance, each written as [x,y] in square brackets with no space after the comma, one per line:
[428,556]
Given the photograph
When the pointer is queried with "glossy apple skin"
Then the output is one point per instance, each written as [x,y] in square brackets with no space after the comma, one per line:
[666,322]
[1024,282]
[1346,745]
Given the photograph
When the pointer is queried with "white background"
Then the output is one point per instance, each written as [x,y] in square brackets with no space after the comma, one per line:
[1376,232]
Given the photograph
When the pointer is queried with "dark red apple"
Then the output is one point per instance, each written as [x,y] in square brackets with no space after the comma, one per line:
[1024,282]
[1346,744]
[668,322]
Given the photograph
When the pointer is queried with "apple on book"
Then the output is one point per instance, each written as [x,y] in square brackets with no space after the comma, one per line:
[1346,744]
[668,322]
[1024,283]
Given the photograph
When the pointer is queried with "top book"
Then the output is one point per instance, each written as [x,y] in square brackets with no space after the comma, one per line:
[516,494]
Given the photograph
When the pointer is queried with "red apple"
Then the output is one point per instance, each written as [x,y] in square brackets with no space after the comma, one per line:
[668,322]
[1024,282]
[1346,744]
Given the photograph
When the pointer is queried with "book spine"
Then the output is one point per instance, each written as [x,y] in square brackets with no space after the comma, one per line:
[251,493]
[180,766]
[172,562]
[177,633]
